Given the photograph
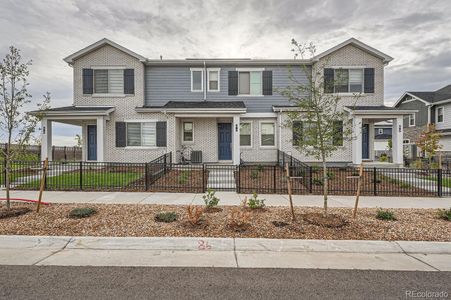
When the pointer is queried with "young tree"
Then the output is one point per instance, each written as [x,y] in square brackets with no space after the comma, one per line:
[429,141]
[319,123]
[16,125]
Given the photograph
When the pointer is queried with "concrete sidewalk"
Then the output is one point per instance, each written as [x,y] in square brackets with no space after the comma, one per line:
[225,252]
[230,198]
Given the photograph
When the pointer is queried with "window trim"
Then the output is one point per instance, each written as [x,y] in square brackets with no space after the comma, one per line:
[348,93]
[201,80]
[252,134]
[443,114]
[412,118]
[104,95]
[219,79]
[183,132]
[140,121]
[260,135]
[239,70]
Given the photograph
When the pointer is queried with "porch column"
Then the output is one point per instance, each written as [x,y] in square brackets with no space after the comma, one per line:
[236,140]
[100,138]
[356,140]
[46,139]
[397,137]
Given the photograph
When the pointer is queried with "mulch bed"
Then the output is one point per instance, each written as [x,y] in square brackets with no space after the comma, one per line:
[181,181]
[138,220]
[15,211]
[261,180]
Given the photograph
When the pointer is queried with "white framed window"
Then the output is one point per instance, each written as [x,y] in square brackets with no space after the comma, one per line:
[440,114]
[108,81]
[197,80]
[411,120]
[267,134]
[380,131]
[250,82]
[188,132]
[348,80]
[246,134]
[213,76]
[141,134]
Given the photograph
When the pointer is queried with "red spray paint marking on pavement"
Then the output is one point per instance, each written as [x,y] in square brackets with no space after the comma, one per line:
[203,245]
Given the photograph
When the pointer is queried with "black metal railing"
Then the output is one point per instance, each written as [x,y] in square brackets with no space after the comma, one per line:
[164,176]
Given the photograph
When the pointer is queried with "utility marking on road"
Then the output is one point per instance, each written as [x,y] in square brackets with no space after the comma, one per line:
[203,245]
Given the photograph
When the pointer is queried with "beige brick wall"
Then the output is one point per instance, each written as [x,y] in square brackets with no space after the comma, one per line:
[256,153]
[353,56]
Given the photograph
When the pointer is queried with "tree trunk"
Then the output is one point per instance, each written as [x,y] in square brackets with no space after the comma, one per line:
[325,185]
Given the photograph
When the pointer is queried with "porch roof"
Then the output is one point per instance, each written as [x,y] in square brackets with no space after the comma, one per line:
[76,111]
[378,110]
[198,106]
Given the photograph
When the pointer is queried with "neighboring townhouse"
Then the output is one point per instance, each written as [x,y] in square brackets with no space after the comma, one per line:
[134,109]
[382,136]
[433,107]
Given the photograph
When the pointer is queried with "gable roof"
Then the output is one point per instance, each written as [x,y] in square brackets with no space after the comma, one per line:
[355,42]
[429,97]
[70,59]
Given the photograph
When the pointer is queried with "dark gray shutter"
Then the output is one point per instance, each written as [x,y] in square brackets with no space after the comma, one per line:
[233,83]
[369,80]
[432,120]
[121,134]
[267,82]
[297,132]
[328,81]
[161,134]
[129,81]
[87,81]
[338,133]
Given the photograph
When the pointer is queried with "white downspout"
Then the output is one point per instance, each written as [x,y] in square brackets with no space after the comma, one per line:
[205,81]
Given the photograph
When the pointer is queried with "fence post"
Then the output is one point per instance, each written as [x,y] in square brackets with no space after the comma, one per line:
[310,176]
[283,159]
[165,162]
[81,175]
[274,179]
[65,153]
[278,156]
[374,182]
[146,176]
[238,186]
[53,152]
[203,178]
[439,182]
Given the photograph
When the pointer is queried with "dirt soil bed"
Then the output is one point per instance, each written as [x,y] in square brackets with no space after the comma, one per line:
[138,220]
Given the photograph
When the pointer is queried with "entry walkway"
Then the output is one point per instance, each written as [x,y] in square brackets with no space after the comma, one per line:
[230,198]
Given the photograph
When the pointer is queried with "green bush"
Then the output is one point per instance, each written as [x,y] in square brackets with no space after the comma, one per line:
[254,174]
[385,215]
[418,164]
[445,214]
[254,202]
[383,157]
[260,168]
[316,169]
[317,181]
[83,212]
[166,217]
[210,199]
[183,177]
[433,165]
[330,175]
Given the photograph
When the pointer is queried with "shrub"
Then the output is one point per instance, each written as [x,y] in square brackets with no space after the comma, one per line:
[316,169]
[210,199]
[317,181]
[385,215]
[83,212]
[254,202]
[434,165]
[445,214]
[330,175]
[383,157]
[254,174]
[259,168]
[239,218]
[166,217]
[183,177]
[194,214]
[418,164]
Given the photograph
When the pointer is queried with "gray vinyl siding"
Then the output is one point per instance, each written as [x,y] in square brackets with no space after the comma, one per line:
[163,84]
[421,117]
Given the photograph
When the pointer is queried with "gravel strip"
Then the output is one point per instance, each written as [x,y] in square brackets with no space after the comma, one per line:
[138,220]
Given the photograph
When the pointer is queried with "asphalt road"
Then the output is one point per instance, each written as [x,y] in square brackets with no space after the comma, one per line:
[46,282]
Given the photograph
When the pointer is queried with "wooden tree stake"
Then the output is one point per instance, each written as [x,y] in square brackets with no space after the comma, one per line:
[359,185]
[43,178]
[293,217]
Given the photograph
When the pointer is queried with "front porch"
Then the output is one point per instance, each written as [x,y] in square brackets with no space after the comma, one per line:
[363,132]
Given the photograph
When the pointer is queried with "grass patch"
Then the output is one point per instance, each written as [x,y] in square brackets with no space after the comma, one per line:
[166,217]
[445,214]
[385,215]
[83,212]
[446,182]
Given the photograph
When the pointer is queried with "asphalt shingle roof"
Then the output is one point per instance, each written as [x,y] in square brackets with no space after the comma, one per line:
[441,94]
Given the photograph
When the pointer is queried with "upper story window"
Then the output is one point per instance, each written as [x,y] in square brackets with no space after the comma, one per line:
[411,120]
[141,134]
[213,79]
[250,83]
[348,81]
[197,82]
[108,81]
[440,113]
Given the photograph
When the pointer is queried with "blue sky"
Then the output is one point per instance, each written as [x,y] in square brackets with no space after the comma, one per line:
[415,33]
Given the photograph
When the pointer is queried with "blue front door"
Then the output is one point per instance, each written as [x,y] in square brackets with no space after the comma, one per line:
[365,141]
[225,141]
[92,142]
